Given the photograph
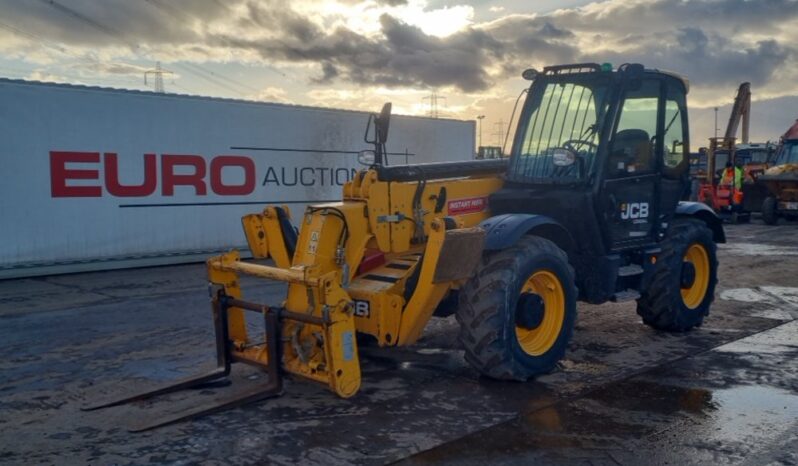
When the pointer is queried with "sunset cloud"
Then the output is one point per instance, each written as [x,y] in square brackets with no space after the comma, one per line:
[411,45]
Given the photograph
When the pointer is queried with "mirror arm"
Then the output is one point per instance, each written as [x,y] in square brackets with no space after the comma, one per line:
[368,128]
[378,148]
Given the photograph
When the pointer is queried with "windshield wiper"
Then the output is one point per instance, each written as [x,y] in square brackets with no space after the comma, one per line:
[667,128]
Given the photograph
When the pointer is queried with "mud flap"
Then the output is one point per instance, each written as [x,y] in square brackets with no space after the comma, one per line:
[460,254]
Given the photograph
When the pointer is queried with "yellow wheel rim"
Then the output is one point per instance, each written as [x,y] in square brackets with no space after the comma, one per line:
[693,295]
[537,341]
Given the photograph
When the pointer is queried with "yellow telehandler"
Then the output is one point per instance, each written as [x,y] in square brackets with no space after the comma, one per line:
[586,208]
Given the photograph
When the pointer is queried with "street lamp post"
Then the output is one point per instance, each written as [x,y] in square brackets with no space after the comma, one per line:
[479,119]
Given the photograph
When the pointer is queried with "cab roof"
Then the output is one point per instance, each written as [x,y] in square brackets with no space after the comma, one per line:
[586,68]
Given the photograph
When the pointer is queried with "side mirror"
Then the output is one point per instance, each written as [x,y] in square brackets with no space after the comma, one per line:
[366,157]
[563,157]
[530,74]
[383,122]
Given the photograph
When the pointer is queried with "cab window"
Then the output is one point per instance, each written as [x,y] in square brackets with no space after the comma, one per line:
[632,149]
[675,160]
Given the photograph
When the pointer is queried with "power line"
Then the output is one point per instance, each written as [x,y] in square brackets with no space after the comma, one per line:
[498,132]
[211,76]
[170,10]
[91,22]
[433,103]
[158,72]
[181,15]
[202,74]
[33,37]
[18,73]
[185,89]
[219,77]
[197,71]
[48,44]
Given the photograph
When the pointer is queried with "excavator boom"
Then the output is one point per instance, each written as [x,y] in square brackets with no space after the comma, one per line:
[740,113]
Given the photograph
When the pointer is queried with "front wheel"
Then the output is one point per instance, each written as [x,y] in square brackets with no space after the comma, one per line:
[517,313]
[682,288]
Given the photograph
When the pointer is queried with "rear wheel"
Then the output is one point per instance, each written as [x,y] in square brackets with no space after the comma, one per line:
[517,313]
[682,287]
[769,214]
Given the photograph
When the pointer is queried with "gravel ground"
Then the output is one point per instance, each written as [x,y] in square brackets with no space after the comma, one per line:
[724,393]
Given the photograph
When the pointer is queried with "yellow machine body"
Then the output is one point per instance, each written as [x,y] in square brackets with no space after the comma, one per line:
[385,258]
[425,237]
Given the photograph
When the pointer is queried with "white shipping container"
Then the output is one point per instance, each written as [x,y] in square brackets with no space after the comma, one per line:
[97,178]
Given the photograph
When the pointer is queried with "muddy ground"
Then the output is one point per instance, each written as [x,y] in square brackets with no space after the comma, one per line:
[625,394]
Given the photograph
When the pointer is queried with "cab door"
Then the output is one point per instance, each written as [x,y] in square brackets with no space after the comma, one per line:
[631,183]
[674,184]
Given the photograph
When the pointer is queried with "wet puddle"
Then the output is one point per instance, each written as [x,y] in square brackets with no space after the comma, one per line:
[752,413]
[715,407]
[781,302]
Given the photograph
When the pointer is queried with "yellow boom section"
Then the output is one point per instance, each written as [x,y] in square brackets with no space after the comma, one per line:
[379,263]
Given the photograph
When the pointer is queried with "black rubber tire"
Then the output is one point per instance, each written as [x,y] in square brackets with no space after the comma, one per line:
[769,214]
[661,305]
[487,309]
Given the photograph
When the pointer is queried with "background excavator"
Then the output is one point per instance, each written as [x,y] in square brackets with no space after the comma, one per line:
[587,208]
[733,195]
[722,187]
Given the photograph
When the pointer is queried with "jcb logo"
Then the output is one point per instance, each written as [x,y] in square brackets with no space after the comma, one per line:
[362,309]
[632,210]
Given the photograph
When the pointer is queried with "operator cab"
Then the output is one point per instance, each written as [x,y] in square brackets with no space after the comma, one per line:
[788,154]
[755,153]
[603,152]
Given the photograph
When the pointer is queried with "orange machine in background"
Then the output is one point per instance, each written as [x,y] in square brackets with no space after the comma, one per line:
[722,188]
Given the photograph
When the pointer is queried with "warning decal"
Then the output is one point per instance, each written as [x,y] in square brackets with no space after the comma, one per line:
[467,206]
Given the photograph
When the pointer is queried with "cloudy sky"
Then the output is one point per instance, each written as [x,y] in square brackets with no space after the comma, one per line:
[360,53]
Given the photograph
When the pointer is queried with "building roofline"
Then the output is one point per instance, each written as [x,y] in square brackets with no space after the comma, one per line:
[117,90]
